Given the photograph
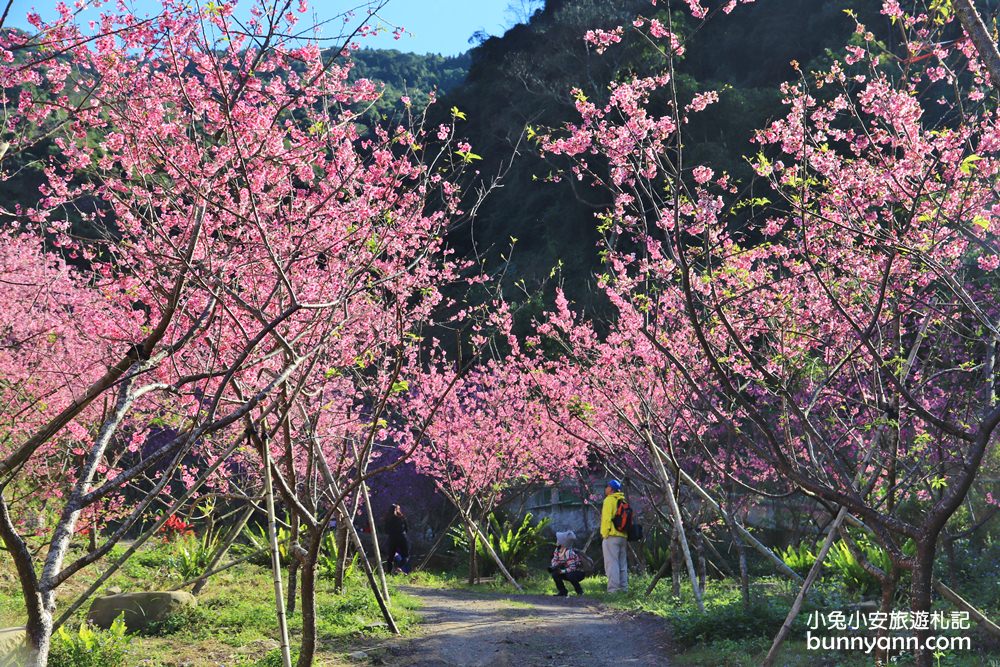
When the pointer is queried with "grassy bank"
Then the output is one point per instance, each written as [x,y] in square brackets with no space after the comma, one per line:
[234,623]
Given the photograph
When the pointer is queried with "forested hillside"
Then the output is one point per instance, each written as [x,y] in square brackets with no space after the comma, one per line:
[410,74]
[524,78]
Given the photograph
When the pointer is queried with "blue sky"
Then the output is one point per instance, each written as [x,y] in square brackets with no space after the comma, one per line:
[433,26]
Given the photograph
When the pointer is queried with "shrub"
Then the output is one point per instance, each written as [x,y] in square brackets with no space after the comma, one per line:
[192,554]
[800,558]
[185,618]
[730,621]
[656,549]
[90,646]
[260,542]
[515,545]
[847,569]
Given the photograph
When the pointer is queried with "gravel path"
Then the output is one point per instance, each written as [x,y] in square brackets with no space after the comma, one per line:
[473,629]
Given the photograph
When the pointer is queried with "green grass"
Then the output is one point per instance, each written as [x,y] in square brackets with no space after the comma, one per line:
[234,623]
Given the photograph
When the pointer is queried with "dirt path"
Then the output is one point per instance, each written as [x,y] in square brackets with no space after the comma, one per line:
[473,629]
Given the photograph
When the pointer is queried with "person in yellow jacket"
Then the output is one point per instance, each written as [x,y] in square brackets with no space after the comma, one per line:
[614,541]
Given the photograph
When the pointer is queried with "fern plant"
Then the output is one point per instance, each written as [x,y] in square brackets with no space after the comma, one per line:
[656,549]
[513,543]
[799,558]
[848,569]
[327,559]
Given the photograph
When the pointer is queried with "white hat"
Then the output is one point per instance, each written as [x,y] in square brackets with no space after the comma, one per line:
[565,539]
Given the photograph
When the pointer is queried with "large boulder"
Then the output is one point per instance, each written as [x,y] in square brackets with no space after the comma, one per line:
[14,651]
[140,609]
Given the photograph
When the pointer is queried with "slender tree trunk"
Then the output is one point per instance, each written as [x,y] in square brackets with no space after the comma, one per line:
[293,563]
[370,573]
[920,595]
[699,547]
[353,534]
[472,538]
[376,551]
[272,534]
[888,585]
[341,540]
[741,555]
[39,624]
[675,512]
[307,650]
[437,544]
[675,565]
[656,577]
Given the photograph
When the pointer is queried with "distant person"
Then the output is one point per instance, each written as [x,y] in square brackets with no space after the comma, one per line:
[566,564]
[398,552]
[615,541]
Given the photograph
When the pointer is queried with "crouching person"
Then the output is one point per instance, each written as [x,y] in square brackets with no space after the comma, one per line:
[566,564]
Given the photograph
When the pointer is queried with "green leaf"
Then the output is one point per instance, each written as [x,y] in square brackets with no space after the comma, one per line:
[468,156]
[968,164]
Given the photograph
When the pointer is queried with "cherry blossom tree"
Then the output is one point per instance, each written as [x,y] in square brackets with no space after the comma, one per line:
[849,353]
[254,243]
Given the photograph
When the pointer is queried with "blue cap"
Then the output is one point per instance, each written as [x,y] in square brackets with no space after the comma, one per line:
[615,485]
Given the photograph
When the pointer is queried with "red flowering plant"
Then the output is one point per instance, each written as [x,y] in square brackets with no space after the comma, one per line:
[175,527]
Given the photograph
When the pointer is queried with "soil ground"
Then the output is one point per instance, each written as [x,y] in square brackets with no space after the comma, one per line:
[479,629]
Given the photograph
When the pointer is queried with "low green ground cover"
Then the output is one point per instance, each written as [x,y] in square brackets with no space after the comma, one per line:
[234,622]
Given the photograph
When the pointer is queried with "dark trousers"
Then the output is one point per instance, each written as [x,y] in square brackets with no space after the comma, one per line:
[398,544]
[572,577]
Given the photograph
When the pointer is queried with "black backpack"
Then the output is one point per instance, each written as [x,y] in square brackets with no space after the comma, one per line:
[624,521]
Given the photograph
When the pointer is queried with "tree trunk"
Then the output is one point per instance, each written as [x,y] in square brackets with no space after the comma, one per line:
[293,563]
[435,546]
[656,577]
[699,547]
[888,593]
[39,624]
[376,551]
[741,554]
[675,512]
[272,535]
[307,650]
[675,565]
[472,538]
[341,540]
[920,595]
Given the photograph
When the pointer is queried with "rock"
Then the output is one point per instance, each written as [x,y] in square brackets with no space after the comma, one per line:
[358,655]
[140,609]
[14,650]
[114,590]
